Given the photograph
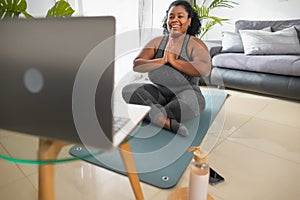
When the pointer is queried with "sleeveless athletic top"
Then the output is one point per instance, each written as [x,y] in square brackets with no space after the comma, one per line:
[168,76]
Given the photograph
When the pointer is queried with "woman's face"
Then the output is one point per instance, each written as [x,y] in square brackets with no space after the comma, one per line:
[178,21]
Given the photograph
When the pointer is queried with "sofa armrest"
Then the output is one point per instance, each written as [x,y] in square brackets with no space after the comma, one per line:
[214,47]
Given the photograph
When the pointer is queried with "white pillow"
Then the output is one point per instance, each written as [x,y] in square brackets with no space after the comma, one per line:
[232,42]
[262,42]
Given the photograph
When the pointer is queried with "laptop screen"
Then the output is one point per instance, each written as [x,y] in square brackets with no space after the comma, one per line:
[54,73]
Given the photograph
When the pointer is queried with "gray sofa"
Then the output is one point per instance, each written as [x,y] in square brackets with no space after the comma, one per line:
[263,68]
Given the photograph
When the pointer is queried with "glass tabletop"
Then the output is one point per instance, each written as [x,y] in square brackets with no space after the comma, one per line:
[28,149]
[24,148]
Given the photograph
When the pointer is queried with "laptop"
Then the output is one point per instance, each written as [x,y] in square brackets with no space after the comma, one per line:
[57,81]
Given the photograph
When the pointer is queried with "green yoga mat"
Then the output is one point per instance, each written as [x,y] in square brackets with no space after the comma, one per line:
[160,156]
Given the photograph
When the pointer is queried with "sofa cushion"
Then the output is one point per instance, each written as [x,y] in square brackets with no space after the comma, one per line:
[275,25]
[261,42]
[297,27]
[270,84]
[273,64]
[232,42]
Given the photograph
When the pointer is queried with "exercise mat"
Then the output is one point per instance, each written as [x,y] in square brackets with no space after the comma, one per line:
[160,156]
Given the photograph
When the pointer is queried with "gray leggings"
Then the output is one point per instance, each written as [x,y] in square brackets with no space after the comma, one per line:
[184,105]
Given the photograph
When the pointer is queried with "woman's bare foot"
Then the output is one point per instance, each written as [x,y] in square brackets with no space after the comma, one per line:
[157,116]
[176,127]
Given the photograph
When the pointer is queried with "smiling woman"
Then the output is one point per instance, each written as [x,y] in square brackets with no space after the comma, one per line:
[178,21]
[174,63]
[185,11]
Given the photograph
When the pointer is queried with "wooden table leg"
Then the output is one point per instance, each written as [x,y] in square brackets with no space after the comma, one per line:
[46,182]
[128,161]
[48,150]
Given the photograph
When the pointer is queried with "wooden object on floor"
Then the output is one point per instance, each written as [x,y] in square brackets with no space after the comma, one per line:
[182,194]
[48,150]
[126,154]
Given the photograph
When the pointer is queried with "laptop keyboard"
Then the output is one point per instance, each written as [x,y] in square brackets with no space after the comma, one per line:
[119,122]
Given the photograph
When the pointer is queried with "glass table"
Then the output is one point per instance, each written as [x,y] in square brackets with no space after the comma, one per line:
[23,148]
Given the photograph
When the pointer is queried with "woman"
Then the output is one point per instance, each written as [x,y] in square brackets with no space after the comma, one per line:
[174,63]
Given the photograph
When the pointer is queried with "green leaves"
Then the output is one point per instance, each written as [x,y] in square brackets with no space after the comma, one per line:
[13,8]
[60,9]
[222,3]
[210,20]
[209,24]
[202,11]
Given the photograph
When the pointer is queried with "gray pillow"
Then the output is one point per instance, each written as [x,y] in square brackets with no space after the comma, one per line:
[232,41]
[263,42]
[297,27]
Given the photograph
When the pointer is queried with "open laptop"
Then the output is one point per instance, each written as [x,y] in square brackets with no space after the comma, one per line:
[57,81]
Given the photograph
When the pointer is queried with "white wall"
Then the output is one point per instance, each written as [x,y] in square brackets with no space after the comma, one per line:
[39,8]
[159,11]
[255,9]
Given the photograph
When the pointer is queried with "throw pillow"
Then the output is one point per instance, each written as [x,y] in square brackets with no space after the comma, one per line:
[297,27]
[232,42]
[263,42]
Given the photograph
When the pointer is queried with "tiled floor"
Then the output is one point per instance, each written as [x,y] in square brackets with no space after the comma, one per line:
[258,153]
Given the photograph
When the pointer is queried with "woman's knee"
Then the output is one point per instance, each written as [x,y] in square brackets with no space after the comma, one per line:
[182,110]
[140,93]
[128,92]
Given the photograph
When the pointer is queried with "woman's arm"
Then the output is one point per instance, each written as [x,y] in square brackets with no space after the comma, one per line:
[201,61]
[144,62]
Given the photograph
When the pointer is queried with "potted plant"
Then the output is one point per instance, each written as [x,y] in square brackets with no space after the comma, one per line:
[14,8]
[209,20]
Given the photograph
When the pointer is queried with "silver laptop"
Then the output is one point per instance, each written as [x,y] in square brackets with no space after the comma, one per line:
[57,81]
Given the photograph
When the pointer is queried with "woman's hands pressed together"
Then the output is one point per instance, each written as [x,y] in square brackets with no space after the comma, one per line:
[171,52]
[197,51]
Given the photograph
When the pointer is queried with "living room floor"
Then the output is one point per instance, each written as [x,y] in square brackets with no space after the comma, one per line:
[258,153]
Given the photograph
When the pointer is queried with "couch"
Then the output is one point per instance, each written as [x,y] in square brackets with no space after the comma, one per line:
[260,56]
